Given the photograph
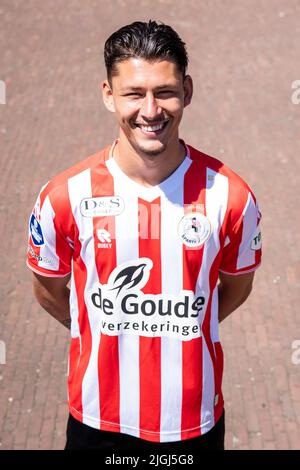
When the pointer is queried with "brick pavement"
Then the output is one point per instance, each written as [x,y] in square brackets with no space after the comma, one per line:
[244,58]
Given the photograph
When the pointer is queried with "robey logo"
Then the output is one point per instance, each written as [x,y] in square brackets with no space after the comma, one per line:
[122,308]
[104,238]
[101,206]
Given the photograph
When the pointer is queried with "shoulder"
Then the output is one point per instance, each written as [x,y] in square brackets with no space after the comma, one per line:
[238,189]
[57,187]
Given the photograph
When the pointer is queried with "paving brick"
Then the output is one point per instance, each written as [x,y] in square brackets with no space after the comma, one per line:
[276,412]
[293,435]
[22,429]
[281,378]
[281,441]
[266,426]
[59,441]
[240,434]
[36,421]
[12,416]
[7,441]
[33,443]
[48,427]
[255,441]
[46,441]
[270,445]
[287,406]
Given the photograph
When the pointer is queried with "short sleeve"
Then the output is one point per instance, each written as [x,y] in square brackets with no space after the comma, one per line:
[49,250]
[242,250]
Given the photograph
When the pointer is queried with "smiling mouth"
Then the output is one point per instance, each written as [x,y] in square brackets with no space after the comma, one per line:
[152,129]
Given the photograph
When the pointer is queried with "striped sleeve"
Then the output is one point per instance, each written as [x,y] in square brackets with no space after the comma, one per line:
[243,245]
[50,249]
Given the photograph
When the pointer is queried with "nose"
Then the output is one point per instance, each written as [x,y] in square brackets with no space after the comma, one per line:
[150,109]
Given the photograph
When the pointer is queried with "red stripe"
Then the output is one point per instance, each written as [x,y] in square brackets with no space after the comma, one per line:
[219,371]
[43,194]
[32,260]
[64,223]
[258,252]
[215,350]
[194,195]
[67,224]
[78,359]
[108,354]
[150,348]
[80,278]
[73,362]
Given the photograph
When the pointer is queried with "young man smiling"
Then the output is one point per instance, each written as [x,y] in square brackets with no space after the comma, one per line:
[145,229]
[148,99]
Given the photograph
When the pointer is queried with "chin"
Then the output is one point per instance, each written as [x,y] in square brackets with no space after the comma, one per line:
[152,150]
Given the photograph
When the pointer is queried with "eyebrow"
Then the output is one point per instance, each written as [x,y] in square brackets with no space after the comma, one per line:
[160,87]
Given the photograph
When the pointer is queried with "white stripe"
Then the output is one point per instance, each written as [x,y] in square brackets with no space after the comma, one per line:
[37,207]
[214,324]
[149,193]
[74,308]
[42,273]
[208,387]
[251,270]
[246,256]
[172,211]
[48,250]
[80,188]
[216,204]
[127,249]
[74,317]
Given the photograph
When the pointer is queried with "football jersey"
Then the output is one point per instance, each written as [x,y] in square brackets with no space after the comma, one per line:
[145,355]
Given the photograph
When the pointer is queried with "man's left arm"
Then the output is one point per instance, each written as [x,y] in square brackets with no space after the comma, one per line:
[233,291]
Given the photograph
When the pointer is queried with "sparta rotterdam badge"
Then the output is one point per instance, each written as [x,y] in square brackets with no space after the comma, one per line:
[194,229]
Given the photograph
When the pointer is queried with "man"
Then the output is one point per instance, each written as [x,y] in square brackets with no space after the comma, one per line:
[146,364]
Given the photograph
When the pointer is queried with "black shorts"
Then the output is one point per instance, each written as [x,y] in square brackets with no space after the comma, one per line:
[80,436]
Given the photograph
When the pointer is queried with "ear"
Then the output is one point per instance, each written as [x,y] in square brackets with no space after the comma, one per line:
[108,96]
[188,90]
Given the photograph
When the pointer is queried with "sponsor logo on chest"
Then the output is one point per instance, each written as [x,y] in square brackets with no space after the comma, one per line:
[194,228]
[101,206]
[121,307]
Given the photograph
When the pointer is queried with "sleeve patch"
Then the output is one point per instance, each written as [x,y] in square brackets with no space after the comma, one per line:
[36,231]
[256,241]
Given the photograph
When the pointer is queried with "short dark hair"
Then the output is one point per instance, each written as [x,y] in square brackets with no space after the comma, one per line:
[148,41]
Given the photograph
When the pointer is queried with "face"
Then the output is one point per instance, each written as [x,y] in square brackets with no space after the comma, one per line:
[148,99]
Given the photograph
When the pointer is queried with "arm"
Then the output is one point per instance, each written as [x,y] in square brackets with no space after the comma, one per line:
[53,295]
[233,291]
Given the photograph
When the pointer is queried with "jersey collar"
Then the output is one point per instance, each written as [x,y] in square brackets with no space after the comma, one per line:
[149,193]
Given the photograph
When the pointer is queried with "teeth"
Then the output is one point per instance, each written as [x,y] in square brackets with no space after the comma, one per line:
[152,128]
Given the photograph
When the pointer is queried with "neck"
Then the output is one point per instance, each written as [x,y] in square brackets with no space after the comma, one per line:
[148,170]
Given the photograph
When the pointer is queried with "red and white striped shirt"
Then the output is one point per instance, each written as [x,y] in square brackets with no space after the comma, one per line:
[145,355]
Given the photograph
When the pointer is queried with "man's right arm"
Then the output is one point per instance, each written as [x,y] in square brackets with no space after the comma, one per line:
[53,294]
